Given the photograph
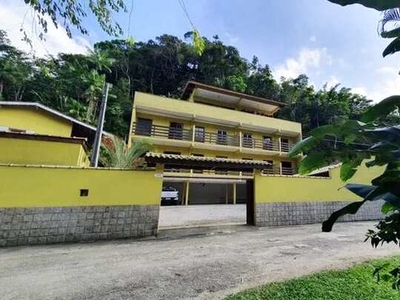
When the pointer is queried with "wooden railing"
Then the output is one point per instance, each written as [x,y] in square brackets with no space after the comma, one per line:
[217,139]
[259,144]
[209,137]
[279,171]
[166,132]
[268,171]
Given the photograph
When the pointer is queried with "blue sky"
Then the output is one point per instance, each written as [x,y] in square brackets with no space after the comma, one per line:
[330,43]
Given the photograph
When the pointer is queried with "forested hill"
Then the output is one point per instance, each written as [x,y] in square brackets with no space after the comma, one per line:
[72,83]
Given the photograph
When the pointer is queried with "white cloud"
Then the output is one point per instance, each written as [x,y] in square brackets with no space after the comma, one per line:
[313,38]
[332,82]
[386,86]
[15,14]
[306,60]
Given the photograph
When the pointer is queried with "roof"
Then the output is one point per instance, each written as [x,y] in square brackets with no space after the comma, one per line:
[216,94]
[324,169]
[42,137]
[46,109]
[205,161]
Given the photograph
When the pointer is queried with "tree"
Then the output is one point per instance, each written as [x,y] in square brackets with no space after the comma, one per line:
[369,139]
[71,14]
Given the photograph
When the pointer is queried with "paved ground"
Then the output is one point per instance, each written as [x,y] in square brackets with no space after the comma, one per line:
[207,267]
[173,216]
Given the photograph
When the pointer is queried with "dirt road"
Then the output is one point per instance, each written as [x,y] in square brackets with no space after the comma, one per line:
[206,267]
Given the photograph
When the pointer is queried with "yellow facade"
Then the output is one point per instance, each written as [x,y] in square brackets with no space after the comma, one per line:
[35,120]
[307,189]
[39,152]
[163,111]
[54,187]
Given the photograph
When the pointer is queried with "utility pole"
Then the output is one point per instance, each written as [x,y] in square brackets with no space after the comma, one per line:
[100,123]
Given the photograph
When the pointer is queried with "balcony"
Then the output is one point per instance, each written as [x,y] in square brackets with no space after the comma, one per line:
[178,172]
[210,140]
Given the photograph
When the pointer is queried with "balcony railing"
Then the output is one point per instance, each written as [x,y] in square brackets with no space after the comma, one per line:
[166,132]
[279,171]
[220,138]
[259,144]
[268,171]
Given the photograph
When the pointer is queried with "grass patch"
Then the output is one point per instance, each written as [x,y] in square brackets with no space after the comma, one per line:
[353,284]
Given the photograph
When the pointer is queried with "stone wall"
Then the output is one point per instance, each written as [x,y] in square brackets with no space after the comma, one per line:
[47,225]
[300,213]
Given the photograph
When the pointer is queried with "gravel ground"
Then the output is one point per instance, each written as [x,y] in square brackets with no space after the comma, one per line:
[203,267]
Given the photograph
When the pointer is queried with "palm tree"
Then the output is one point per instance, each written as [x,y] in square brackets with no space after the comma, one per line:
[116,154]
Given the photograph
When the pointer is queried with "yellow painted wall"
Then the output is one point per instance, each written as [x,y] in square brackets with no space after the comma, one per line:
[188,109]
[36,187]
[21,151]
[305,189]
[40,122]
[185,112]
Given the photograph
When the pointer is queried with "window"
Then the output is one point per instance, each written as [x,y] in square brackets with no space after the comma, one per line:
[144,126]
[284,145]
[175,131]
[222,137]
[247,140]
[267,143]
[287,168]
[199,134]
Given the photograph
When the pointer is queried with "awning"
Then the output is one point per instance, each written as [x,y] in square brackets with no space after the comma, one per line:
[206,162]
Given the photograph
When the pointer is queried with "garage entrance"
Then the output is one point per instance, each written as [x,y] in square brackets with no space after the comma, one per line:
[206,191]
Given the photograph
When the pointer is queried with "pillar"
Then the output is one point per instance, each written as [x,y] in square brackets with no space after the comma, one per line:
[187,193]
[234,193]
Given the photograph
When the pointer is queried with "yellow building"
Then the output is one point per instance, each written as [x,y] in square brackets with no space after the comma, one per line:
[31,133]
[216,123]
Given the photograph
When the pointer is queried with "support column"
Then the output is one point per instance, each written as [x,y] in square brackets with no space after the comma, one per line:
[193,132]
[226,193]
[187,193]
[234,193]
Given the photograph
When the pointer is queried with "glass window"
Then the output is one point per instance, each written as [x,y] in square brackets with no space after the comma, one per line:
[222,137]
[199,134]
[247,140]
[175,131]
[144,126]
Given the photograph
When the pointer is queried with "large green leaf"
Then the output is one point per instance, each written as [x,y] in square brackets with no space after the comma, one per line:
[381,109]
[303,145]
[391,33]
[352,208]
[312,162]
[393,47]
[376,4]
[363,191]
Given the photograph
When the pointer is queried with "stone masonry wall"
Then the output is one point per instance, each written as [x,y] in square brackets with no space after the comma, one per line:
[300,213]
[47,225]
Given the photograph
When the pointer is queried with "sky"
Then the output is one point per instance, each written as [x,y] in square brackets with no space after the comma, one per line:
[329,43]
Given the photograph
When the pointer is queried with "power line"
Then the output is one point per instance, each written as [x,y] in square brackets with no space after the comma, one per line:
[130,18]
[183,6]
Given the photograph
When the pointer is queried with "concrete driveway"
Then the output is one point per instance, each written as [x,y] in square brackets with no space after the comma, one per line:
[206,267]
[194,215]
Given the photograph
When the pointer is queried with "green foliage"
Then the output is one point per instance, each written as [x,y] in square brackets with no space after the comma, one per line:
[71,14]
[353,284]
[376,4]
[116,154]
[72,83]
